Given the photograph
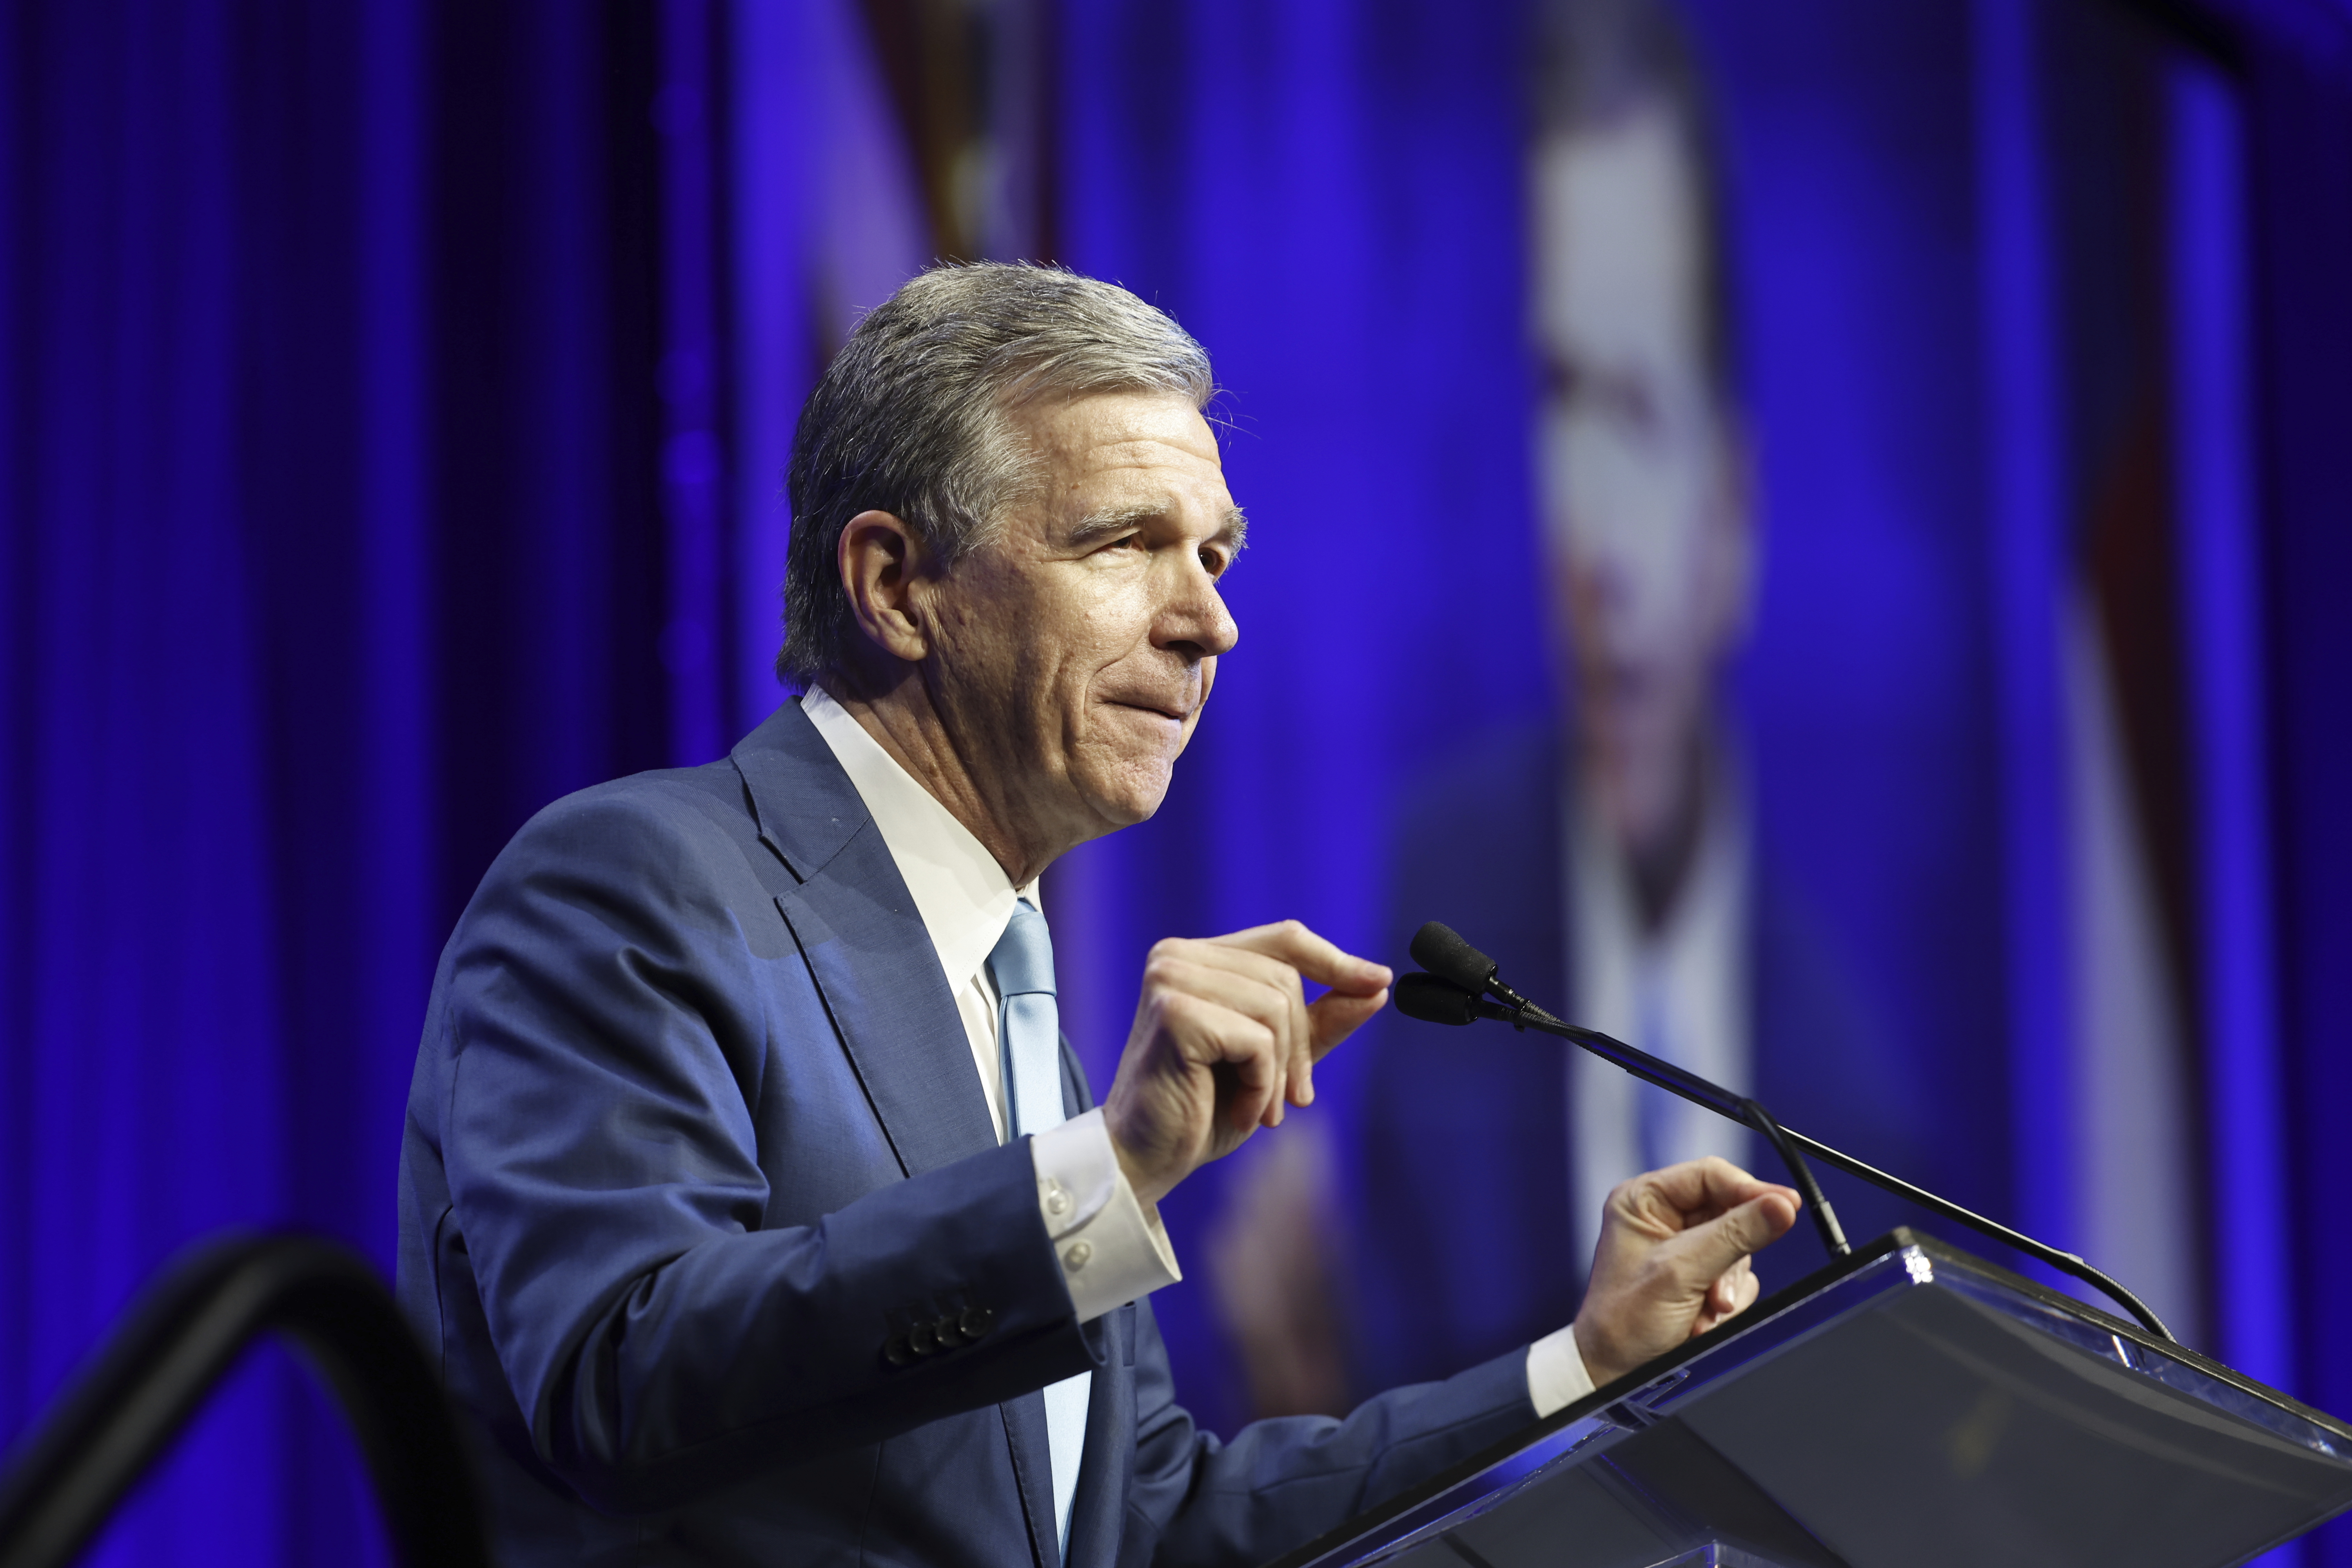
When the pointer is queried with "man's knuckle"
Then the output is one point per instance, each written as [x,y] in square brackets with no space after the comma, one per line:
[1172,950]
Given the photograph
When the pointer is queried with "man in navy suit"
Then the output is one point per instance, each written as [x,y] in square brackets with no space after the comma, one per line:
[751,1203]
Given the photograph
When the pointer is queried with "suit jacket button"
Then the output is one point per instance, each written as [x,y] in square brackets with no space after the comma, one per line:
[976,1323]
[896,1351]
[922,1338]
[950,1334]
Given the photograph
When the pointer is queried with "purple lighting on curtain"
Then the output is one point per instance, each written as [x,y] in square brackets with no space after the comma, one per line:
[2222,617]
[769,126]
[321,543]
[145,1060]
[2028,534]
[693,460]
[823,222]
[398,942]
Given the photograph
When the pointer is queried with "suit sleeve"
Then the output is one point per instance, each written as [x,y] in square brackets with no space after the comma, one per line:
[1282,1482]
[608,1043]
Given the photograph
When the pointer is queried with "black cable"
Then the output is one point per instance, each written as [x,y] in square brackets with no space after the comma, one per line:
[1817,1201]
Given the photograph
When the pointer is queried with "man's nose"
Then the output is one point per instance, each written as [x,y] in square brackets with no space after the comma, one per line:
[1195,622]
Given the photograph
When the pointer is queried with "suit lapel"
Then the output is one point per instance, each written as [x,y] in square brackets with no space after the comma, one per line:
[875,966]
[865,946]
[873,963]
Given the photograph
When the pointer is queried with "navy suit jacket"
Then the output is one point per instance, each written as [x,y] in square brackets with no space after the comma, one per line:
[695,1133]
[1466,1242]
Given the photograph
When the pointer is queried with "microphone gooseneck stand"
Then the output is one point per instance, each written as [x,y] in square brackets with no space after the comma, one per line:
[1463,986]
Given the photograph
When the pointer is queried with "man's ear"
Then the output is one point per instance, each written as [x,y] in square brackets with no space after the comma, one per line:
[879,557]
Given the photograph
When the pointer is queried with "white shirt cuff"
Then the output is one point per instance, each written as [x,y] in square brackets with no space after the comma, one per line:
[1112,1252]
[1555,1374]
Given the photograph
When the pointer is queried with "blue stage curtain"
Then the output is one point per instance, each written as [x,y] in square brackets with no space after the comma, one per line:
[330,549]
[146,1098]
[2299,90]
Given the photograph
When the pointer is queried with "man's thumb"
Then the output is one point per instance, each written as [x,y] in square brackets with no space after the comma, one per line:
[1710,1248]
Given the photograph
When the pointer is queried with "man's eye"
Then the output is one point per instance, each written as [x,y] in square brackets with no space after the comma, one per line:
[1213,562]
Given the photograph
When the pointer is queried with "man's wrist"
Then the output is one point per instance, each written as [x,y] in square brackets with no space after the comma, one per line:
[1147,1190]
[1595,1358]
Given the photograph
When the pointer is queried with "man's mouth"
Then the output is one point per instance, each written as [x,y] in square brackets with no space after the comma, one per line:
[1178,712]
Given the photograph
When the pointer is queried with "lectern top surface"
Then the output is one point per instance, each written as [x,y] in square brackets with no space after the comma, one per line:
[1911,1403]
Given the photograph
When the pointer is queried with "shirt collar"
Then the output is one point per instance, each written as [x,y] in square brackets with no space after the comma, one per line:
[962,894]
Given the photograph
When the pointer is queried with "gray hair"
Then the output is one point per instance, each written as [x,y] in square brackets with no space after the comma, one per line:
[912,419]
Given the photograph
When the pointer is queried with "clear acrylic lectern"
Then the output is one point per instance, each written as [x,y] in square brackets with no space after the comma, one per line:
[1911,1405]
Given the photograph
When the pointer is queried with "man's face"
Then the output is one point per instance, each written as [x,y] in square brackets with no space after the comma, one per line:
[1643,498]
[1074,651]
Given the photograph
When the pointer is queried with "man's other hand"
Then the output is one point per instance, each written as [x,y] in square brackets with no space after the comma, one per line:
[1672,1262]
[1223,1037]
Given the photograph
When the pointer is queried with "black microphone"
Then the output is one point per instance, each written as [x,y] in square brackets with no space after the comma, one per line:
[1441,950]
[1456,992]
[1433,999]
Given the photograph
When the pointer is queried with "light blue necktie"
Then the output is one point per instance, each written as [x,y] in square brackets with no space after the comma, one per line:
[1028,1031]
[1028,1023]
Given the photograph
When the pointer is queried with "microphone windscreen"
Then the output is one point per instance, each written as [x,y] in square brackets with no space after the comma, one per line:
[1433,1000]
[1437,949]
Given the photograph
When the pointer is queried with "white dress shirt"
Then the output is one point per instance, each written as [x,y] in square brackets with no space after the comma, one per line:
[1112,1250]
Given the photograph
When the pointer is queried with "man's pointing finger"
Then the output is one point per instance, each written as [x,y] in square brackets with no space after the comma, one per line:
[1312,956]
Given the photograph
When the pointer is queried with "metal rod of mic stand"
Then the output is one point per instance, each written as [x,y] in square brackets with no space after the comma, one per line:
[1691,1087]
[1665,1075]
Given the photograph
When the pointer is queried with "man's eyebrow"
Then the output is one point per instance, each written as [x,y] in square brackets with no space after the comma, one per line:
[1112,520]
[1101,525]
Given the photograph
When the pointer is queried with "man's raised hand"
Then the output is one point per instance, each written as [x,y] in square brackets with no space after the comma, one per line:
[1223,1037]
[1672,1262]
